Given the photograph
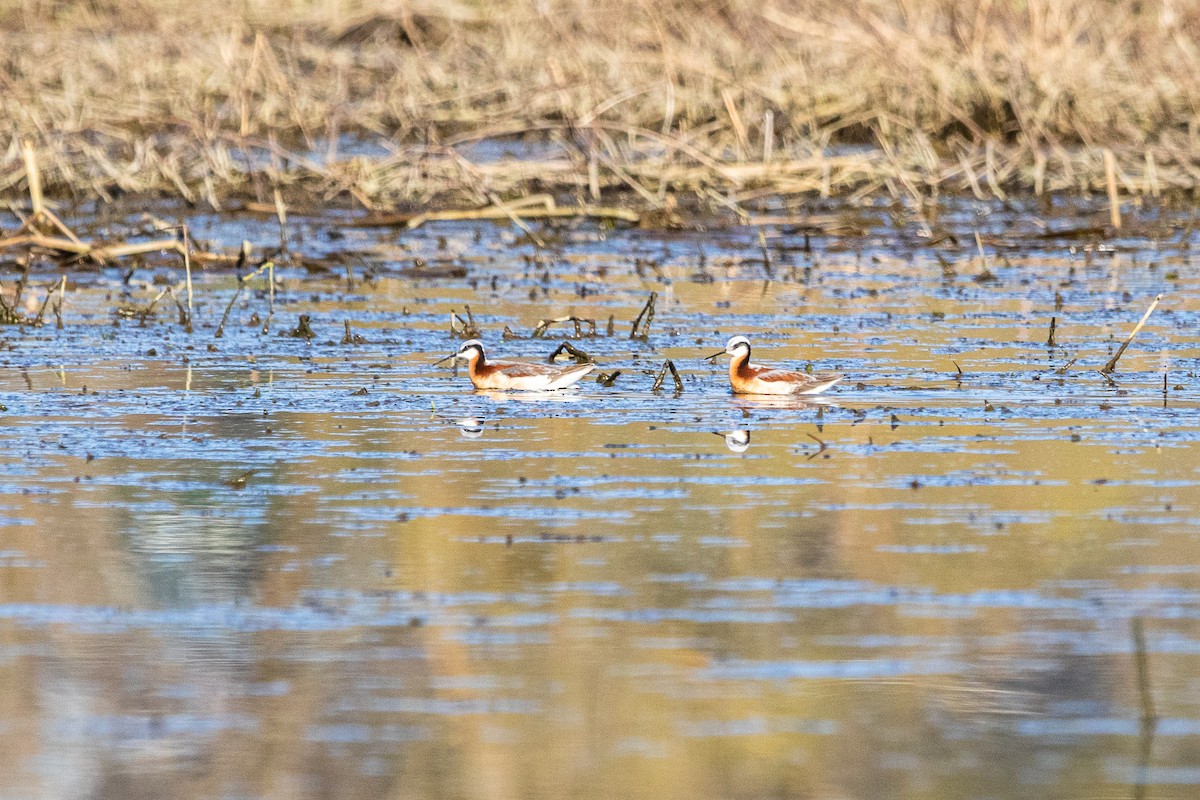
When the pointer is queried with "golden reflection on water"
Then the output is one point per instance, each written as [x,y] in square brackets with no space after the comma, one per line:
[588,594]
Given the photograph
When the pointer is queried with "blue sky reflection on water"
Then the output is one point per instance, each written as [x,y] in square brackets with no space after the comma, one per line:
[277,568]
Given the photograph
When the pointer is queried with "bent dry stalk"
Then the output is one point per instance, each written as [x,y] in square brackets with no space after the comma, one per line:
[668,366]
[1112,362]
[269,268]
[579,356]
[579,322]
[641,330]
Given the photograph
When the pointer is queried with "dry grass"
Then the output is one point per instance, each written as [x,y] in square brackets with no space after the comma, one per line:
[729,100]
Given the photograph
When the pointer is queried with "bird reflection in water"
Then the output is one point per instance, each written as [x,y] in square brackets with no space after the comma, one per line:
[470,427]
[500,398]
[737,441]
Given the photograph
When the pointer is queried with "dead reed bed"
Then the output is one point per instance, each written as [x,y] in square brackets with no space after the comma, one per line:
[403,105]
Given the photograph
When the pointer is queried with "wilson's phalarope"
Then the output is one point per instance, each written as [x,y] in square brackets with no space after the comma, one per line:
[518,375]
[747,378]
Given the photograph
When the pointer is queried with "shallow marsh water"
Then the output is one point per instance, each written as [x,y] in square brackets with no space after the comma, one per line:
[227,571]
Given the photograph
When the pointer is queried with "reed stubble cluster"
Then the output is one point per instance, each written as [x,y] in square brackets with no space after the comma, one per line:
[381,104]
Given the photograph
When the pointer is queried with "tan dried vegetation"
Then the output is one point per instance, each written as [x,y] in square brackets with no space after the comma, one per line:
[731,100]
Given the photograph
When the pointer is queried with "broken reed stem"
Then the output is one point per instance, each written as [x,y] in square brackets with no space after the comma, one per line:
[19,288]
[350,337]
[187,269]
[270,296]
[982,255]
[183,314]
[74,246]
[768,136]
[580,356]
[463,328]
[270,266]
[154,303]
[647,312]
[1110,179]
[42,309]
[520,223]
[544,325]
[62,298]
[1112,362]
[34,177]
[61,287]
[493,213]
[221,325]
[6,311]
[668,366]
[281,215]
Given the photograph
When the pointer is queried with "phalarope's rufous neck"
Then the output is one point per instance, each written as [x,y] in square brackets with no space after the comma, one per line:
[747,378]
[517,375]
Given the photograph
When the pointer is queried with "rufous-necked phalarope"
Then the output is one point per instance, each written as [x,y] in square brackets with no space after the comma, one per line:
[747,378]
[518,375]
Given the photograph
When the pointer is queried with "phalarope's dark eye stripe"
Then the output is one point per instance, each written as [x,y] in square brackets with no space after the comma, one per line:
[748,378]
[488,373]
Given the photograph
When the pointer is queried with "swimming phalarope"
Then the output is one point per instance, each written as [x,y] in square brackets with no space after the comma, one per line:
[747,378]
[518,375]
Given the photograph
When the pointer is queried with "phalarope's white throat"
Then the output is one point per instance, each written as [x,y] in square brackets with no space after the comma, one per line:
[747,378]
[517,375]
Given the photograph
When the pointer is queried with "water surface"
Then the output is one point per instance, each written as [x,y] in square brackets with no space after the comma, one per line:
[260,566]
